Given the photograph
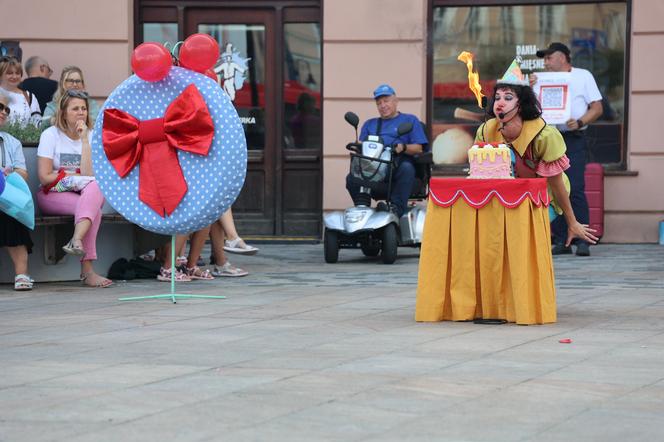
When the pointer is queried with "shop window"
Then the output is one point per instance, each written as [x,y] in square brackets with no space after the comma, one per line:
[241,73]
[160,32]
[595,33]
[302,85]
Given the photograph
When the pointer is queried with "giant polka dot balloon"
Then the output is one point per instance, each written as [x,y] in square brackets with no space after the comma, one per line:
[213,181]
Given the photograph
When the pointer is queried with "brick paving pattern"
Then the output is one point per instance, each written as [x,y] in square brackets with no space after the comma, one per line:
[306,351]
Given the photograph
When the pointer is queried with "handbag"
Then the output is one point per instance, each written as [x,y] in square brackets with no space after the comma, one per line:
[72,183]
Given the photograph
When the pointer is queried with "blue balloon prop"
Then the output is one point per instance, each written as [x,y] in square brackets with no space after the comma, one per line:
[16,199]
[213,181]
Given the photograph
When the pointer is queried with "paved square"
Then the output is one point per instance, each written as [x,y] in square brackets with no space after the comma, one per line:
[307,351]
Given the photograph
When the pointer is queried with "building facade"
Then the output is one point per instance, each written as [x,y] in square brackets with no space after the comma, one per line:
[294,67]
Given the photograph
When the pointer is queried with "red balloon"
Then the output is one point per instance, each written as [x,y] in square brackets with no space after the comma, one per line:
[199,52]
[151,61]
[212,74]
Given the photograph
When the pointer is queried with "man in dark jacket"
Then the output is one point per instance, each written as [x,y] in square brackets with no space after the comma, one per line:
[38,81]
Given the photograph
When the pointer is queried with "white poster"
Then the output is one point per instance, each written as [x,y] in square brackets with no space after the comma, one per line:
[552,91]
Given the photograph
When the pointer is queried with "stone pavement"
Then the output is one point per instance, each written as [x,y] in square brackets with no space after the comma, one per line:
[307,351]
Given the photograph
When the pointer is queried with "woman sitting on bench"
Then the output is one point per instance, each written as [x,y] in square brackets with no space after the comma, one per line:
[67,179]
[14,236]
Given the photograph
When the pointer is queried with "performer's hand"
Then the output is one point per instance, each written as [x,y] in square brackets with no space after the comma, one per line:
[581,231]
[7,170]
[532,79]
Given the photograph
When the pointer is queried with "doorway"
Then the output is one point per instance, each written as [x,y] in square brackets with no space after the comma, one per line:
[271,67]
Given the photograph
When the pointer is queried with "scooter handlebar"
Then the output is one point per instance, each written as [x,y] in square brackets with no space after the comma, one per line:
[354,147]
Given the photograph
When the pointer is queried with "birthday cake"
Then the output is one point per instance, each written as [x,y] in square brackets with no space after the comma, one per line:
[490,160]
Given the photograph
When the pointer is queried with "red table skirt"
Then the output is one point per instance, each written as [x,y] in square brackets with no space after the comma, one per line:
[444,192]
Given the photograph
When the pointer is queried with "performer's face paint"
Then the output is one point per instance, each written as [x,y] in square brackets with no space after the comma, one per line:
[505,103]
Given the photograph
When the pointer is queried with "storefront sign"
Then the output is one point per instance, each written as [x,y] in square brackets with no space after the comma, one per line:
[529,60]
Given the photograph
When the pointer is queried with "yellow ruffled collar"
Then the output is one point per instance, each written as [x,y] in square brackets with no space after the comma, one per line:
[529,131]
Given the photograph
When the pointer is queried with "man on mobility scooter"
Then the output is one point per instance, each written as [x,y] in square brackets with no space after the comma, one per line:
[384,165]
[405,146]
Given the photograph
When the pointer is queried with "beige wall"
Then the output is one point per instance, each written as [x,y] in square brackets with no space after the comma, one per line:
[380,41]
[635,204]
[100,42]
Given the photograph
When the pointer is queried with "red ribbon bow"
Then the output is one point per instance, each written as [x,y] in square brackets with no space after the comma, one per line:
[186,125]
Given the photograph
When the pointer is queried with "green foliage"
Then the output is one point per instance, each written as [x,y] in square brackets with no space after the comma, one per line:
[27,134]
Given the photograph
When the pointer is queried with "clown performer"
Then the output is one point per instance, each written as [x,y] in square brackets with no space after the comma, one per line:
[538,147]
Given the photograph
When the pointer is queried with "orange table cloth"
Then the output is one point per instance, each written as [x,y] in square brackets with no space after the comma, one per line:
[486,252]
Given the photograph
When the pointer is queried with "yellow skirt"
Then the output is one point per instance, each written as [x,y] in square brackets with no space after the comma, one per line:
[490,263]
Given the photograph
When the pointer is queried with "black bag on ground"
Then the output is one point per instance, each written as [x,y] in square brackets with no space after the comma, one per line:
[135,269]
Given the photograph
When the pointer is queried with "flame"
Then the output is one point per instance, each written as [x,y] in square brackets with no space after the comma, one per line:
[473,77]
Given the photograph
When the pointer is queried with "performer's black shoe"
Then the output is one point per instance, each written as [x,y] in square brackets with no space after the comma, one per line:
[583,249]
[560,249]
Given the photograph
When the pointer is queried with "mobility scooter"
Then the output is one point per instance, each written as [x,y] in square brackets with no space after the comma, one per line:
[376,229]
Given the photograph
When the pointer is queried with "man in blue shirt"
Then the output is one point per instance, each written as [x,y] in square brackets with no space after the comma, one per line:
[412,143]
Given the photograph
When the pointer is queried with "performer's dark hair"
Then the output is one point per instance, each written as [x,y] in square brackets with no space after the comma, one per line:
[530,108]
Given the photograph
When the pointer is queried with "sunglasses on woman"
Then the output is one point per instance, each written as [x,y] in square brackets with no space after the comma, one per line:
[4,108]
[74,81]
[78,94]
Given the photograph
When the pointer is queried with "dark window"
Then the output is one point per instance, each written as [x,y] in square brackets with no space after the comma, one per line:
[302,85]
[160,32]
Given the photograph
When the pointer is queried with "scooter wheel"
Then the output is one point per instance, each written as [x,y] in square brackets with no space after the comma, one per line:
[331,246]
[370,250]
[389,244]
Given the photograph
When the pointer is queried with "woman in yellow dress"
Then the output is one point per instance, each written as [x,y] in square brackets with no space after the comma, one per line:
[538,147]
[495,263]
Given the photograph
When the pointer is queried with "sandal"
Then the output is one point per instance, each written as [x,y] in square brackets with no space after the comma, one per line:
[180,261]
[22,282]
[165,276]
[228,270]
[102,283]
[196,273]
[237,245]
[72,249]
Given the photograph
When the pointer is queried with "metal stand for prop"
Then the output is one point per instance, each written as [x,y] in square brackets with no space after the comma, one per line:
[171,295]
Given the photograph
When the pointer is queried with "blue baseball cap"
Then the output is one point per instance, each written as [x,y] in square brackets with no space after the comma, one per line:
[383,90]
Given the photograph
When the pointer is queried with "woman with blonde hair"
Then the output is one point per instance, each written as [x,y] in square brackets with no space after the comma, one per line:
[24,106]
[67,180]
[71,78]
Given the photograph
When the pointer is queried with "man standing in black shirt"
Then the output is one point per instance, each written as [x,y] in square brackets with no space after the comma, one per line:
[38,81]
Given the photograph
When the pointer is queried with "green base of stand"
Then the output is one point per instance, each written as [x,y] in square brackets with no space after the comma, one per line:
[173,296]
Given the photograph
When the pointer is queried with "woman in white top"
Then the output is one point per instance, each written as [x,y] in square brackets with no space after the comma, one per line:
[68,185]
[24,105]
